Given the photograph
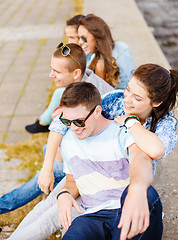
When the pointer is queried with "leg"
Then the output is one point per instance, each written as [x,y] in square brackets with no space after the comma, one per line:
[155,229]
[20,196]
[28,191]
[88,227]
[43,220]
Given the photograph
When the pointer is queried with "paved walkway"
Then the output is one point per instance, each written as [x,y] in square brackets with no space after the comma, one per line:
[29,33]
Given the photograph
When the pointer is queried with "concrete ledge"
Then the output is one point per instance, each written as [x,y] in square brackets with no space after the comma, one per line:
[128,25]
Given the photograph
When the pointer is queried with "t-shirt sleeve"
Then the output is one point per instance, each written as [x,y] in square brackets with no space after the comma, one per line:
[125,140]
[57,126]
[166,131]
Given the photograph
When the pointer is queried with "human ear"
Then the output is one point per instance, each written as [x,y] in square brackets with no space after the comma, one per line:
[157,104]
[77,73]
[98,110]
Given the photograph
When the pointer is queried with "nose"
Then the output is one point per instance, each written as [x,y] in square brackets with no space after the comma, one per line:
[51,74]
[73,127]
[80,41]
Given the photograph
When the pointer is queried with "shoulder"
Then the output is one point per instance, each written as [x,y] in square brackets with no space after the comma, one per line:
[120,47]
[99,83]
[112,104]
[168,121]
[59,90]
[99,69]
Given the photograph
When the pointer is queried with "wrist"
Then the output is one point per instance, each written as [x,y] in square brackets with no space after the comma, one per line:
[130,121]
[138,186]
[62,192]
[47,170]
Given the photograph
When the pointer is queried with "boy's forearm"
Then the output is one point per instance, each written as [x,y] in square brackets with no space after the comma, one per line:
[70,186]
[53,143]
[141,170]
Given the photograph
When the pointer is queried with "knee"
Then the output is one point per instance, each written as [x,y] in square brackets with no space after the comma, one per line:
[74,234]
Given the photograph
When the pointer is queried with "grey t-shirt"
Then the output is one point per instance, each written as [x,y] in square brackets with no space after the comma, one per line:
[99,83]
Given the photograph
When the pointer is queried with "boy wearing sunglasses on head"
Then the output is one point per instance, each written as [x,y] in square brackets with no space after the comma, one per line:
[95,152]
[68,65]
[42,124]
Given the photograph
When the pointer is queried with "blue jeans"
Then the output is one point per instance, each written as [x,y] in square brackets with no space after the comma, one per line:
[103,224]
[28,191]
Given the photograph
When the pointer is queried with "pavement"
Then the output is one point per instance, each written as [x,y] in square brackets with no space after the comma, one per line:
[29,33]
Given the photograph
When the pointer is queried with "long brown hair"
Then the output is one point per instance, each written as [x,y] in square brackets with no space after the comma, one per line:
[104,46]
[162,86]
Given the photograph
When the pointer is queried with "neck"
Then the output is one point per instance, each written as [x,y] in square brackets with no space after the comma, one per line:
[102,122]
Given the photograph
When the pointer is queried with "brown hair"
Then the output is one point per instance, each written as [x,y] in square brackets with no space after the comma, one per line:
[81,93]
[104,46]
[74,20]
[162,86]
[77,53]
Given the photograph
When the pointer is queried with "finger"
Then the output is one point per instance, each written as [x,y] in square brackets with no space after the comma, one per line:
[116,119]
[46,190]
[63,220]
[51,186]
[125,230]
[120,222]
[69,218]
[75,204]
[134,229]
[146,223]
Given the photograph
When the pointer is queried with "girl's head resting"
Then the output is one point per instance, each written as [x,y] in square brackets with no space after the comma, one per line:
[95,37]
[157,91]
[94,30]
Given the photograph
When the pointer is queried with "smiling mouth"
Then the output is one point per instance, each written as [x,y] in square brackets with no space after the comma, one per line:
[79,132]
[84,47]
[127,106]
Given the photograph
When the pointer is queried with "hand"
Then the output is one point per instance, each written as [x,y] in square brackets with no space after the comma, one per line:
[65,204]
[56,112]
[46,181]
[135,213]
[121,119]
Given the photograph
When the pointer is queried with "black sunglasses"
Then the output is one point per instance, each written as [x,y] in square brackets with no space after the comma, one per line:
[65,50]
[84,39]
[77,122]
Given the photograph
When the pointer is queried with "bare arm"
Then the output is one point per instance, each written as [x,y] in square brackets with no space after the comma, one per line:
[135,212]
[46,177]
[99,69]
[148,141]
[66,201]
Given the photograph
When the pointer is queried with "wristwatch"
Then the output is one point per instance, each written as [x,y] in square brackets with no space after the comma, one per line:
[130,121]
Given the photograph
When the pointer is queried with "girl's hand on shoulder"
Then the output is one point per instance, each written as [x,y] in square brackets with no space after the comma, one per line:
[56,112]
[121,119]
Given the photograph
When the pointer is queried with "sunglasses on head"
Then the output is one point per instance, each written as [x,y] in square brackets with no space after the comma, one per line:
[84,39]
[65,50]
[77,122]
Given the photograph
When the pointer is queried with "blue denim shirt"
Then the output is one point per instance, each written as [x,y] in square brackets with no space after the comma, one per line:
[124,61]
[112,105]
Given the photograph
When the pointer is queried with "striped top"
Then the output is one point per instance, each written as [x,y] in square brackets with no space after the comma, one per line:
[99,165]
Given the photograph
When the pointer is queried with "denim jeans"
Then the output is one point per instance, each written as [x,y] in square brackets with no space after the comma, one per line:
[28,191]
[103,224]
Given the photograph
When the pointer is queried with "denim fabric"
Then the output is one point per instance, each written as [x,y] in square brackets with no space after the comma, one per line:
[103,224]
[28,191]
